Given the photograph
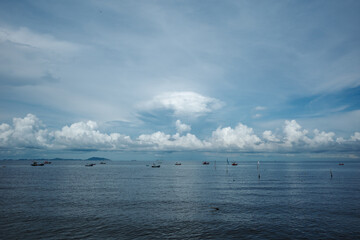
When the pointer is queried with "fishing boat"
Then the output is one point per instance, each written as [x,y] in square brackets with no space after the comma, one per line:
[90,165]
[155,165]
[234,163]
[178,163]
[206,163]
[47,162]
[35,164]
[341,164]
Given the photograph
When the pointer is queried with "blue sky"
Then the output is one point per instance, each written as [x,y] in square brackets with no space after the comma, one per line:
[145,78]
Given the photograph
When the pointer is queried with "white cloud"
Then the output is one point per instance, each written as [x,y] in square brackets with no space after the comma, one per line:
[162,141]
[355,137]
[297,138]
[241,137]
[260,108]
[322,138]
[294,134]
[257,109]
[83,135]
[5,132]
[268,136]
[25,132]
[29,132]
[182,127]
[184,103]
[340,140]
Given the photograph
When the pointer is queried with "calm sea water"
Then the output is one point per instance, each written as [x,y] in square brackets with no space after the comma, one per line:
[129,200]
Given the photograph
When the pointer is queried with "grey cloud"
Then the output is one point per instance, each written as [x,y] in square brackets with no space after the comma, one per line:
[10,80]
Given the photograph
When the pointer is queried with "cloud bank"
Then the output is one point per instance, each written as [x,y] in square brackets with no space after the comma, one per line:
[29,132]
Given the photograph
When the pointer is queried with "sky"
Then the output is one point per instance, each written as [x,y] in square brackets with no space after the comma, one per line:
[180,79]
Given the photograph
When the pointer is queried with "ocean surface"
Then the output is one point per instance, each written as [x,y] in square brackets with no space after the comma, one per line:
[130,200]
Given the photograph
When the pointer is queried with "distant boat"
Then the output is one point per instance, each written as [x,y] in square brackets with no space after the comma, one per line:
[234,163]
[47,162]
[178,163]
[155,165]
[35,164]
[206,163]
[103,163]
[341,164]
[90,165]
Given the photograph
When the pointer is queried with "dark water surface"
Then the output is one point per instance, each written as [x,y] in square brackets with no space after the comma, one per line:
[129,200]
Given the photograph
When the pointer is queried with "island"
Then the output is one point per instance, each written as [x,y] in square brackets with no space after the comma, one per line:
[98,159]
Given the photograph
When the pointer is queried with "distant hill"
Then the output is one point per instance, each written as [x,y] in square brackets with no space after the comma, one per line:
[55,159]
[44,159]
[59,159]
[97,159]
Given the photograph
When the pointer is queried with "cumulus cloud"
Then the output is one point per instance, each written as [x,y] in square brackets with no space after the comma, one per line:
[322,138]
[184,103]
[25,132]
[162,141]
[294,133]
[356,136]
[84,135]
[269,136]
[297,138]
[5,133]
[182,127]
[29,132]
[340,140]
[241,137]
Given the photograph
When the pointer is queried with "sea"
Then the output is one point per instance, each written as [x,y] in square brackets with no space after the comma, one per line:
[284,199]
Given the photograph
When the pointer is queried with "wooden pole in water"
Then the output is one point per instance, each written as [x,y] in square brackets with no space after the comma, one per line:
[227,164]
